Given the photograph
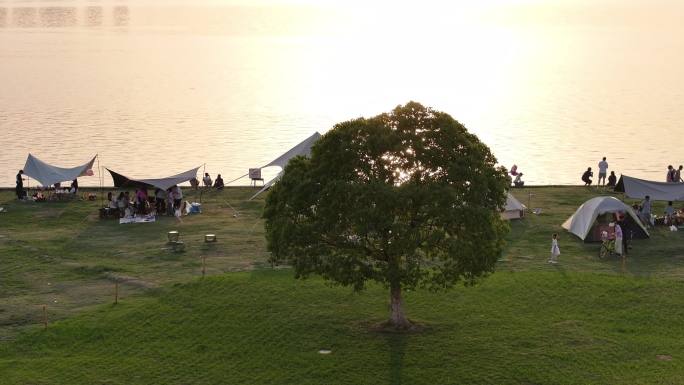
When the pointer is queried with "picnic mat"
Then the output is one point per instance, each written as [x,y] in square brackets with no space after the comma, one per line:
[140,219]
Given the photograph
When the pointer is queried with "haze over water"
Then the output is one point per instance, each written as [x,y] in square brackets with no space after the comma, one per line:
[158,87]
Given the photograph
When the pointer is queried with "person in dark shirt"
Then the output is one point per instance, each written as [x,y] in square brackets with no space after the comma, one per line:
[586,177]
[20,185]
[612,179]
[74,186]
[218,183]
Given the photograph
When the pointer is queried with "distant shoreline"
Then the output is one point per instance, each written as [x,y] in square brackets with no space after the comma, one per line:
[94,188]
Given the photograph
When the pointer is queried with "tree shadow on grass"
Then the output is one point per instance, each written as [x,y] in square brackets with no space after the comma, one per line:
[397,348]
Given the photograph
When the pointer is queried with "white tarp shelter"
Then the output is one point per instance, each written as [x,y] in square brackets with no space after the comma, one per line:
[162,183]
[48,174]
[514,209]
[660,191]
[584,220]
[303,149]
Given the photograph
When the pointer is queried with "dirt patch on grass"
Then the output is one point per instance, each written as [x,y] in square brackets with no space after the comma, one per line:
[133,281]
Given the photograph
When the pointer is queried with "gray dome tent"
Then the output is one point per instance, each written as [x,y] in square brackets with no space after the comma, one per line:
[583,221]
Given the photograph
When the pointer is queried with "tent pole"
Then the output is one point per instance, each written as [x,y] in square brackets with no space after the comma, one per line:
[99,177]
[204,170]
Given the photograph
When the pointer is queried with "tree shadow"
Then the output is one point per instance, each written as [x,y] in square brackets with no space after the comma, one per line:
[397,347]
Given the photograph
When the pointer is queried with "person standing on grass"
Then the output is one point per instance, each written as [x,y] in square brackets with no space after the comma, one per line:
[19,189]
[177,197]
[646,211]
[612,179]
[621,222]
[555,250]
[603,170]
[618,239]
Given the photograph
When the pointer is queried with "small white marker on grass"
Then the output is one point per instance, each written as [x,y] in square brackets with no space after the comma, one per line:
[324,351]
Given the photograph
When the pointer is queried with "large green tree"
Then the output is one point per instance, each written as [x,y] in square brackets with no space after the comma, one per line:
[408,199]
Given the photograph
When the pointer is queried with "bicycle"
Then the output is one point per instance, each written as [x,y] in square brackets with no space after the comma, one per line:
[607,246]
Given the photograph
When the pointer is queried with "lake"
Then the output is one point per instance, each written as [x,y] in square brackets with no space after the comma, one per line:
[159,87]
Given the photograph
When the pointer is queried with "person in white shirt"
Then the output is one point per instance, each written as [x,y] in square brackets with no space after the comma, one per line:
[669,213]
[177,197]
[207,180]
[603,171]
[555,250]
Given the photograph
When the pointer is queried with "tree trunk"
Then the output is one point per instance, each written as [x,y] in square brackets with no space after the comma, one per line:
[397,319]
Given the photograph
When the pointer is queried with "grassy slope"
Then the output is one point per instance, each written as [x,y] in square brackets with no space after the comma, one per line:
[264,328]
[584,321]
[61,254]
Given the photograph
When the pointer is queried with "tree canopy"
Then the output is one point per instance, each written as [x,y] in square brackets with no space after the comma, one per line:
[408,199]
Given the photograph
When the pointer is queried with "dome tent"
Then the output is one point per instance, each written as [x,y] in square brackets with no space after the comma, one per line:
[514,209]
[584,220]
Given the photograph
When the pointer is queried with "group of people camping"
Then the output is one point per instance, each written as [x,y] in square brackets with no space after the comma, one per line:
[38,195]
[167,201]
[140,203]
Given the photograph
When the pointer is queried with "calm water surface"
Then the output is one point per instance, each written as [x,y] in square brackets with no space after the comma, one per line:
[156,87]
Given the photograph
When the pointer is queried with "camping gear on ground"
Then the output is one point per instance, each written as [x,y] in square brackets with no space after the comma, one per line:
[658,191]
[208,238]
[48,174]
[174,241]
[138,219]
[514,209]
[193,208]
[255,175]
[588,224]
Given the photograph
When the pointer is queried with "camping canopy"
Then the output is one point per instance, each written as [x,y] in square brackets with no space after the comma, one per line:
[48,174]
[514,209]
[659,191]
[583,221]
[162,183]
[303,149]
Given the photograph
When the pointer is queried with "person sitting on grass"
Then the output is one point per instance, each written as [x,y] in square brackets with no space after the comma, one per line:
[518,182]
[207,180]
[586,177]
[612,179]
[670,213]
[218,183]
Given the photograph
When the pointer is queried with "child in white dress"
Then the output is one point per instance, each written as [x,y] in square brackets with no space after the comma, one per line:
[555,251]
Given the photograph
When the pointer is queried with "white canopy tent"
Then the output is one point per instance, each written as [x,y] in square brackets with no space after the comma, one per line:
[48,174]
[303,149]
[584,219]
[514,209]
[660,191]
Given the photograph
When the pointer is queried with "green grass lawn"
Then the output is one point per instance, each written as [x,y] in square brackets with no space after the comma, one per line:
[584,321]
